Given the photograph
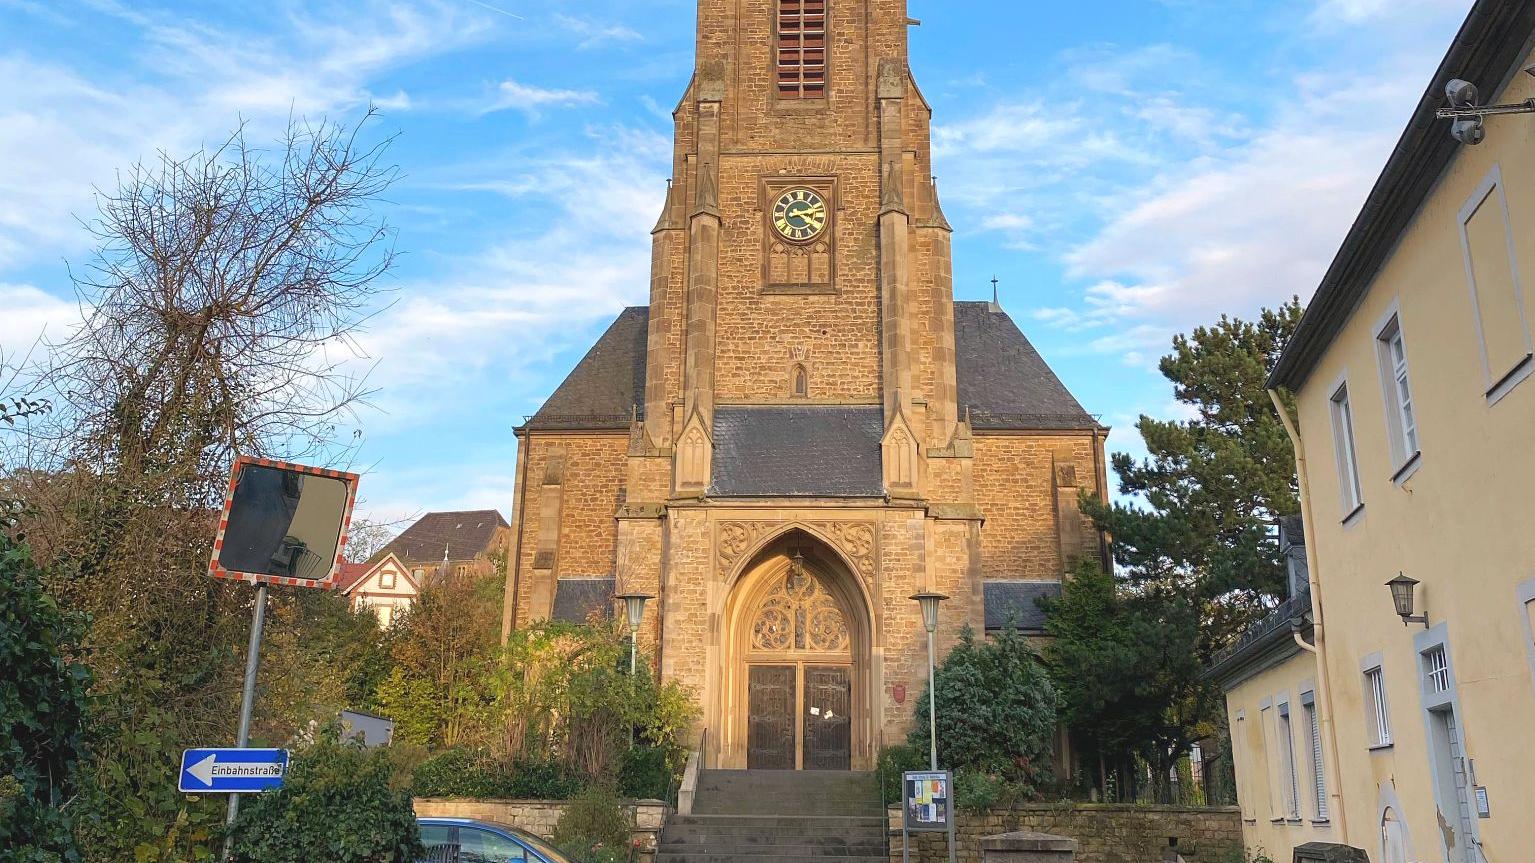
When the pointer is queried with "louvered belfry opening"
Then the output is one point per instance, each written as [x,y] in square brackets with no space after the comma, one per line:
[801,49]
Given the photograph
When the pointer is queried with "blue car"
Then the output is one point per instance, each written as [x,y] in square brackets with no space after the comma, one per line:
[464,840]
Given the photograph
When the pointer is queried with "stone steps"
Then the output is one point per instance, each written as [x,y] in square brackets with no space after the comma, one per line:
[787,792]
[779,817]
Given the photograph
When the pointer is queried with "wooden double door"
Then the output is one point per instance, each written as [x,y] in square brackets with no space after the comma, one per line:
[799,717]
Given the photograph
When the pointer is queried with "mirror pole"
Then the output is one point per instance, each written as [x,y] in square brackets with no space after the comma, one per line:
[247,701]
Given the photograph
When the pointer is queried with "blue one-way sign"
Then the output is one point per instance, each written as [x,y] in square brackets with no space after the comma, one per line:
[232,771]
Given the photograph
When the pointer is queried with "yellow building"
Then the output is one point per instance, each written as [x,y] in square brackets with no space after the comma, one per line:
[1270,681]
[1414,422]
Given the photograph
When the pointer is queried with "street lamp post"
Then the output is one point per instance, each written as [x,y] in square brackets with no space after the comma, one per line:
[634,605]
[929,602]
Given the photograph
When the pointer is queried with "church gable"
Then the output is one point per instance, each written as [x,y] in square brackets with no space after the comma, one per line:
[387,576]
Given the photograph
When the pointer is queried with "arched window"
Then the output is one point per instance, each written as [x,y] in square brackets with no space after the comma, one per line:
[800,382]
[799,615]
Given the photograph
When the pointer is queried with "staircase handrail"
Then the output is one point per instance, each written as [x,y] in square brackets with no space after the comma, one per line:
[695,765]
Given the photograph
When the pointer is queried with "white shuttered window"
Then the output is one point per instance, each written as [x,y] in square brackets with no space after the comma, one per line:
[1318,775]
[1380,719]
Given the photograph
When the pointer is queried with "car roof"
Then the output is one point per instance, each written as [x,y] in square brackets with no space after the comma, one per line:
[543,847]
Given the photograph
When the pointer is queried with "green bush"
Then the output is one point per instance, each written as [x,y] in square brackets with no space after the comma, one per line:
[335,805]
[894,761]
[537,779]
[564,691]
[466,773]
[645,773]
[595,828]
[42,713]
[978,792]
[452,773]
[996,711]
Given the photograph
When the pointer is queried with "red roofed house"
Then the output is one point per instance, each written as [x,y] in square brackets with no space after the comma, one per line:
[439,543]
[385,585]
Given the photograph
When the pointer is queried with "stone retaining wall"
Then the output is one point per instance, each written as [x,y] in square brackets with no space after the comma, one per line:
[540,816]
[1104,833]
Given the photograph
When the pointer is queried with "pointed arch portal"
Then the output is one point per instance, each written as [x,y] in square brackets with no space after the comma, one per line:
[797,668]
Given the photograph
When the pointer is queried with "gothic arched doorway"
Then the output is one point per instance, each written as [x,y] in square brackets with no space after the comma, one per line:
[797,668]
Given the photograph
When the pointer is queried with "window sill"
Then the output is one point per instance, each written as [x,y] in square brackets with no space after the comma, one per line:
[1353,515]
[1382,747]
[828,290]
[1322,823]
[1408,468]
[1506,384]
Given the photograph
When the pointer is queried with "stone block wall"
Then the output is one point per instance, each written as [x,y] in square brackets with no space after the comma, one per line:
[1104,833]
[539,817]
[1016,487]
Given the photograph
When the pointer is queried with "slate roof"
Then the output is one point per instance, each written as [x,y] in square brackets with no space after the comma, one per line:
[798,451]
[608,385]
[1272,635]
[1015,603]
[1003,381]
[465,535]
[577,599]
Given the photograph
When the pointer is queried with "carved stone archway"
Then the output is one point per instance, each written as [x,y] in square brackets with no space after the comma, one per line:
[797,683]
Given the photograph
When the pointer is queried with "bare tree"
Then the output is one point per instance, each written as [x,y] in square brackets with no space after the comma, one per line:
[226,286]
[222,300]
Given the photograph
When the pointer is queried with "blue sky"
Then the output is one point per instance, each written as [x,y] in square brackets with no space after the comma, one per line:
[1129,169]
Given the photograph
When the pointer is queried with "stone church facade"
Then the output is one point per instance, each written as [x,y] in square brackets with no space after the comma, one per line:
[803,428]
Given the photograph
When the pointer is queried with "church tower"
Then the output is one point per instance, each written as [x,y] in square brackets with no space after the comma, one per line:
[803,428]
[802,256]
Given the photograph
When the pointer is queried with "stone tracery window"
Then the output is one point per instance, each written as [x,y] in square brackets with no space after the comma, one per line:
[799,615]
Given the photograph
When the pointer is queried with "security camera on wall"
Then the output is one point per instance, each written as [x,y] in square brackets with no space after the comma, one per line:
[1469,132]
[1462,94]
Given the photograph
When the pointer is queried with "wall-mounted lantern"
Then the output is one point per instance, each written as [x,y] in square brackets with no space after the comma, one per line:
[1402,588]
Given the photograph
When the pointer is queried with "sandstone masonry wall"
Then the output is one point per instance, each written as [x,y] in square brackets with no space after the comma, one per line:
[1015,488]
[1104,833]
[592,487]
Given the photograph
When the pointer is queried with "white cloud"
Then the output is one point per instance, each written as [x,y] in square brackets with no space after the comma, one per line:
[593,34]
[1255,224]
[31,315]
[511,95]
[63,132]
[1170,202]
[444,343]
[1350,12]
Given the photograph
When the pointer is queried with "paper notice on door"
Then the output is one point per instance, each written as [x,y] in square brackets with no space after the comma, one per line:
[815,711]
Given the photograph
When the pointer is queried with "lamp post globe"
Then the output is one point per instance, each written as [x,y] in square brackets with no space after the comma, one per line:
[634,608]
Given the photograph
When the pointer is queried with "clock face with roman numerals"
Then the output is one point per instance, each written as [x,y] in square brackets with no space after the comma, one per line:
[799,215]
